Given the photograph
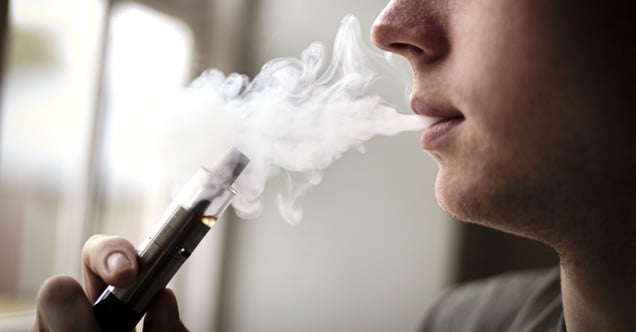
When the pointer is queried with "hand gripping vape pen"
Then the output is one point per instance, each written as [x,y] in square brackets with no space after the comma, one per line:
[197,207]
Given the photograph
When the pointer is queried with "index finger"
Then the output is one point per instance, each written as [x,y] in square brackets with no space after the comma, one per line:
[62,306]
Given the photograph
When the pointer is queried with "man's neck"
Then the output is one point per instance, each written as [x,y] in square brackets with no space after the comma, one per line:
[598,295]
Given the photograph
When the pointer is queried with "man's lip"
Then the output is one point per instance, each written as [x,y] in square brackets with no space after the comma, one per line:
[431,109]
[434,135]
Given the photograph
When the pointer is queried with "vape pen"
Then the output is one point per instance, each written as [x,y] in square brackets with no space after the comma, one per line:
[190,216]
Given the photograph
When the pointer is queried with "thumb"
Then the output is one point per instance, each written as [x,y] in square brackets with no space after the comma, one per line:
[163,314]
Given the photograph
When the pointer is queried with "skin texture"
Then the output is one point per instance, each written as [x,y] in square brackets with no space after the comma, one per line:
[545,89]
[65,305]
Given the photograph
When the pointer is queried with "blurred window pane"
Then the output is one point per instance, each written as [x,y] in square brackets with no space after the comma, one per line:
[49,102]
[148,59]
[47,108]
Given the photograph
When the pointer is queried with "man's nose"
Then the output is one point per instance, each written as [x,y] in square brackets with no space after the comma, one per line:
[413,29]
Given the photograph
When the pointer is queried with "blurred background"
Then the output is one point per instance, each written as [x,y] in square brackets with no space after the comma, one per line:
[77,76]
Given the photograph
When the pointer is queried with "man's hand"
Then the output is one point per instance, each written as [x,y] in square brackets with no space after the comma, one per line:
[65,305]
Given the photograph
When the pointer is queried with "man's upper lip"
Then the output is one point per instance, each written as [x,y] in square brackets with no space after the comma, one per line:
[432,109]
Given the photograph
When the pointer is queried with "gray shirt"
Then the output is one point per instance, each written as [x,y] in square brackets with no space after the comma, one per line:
[514,302]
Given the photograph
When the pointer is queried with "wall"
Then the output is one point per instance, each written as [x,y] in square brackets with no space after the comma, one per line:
[373,247]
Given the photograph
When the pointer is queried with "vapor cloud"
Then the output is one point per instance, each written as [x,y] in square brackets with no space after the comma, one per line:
[295,118]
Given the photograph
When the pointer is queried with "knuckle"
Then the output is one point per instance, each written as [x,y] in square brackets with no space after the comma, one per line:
[91,243]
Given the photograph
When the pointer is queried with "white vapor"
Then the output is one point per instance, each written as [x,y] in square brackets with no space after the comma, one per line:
[297,115]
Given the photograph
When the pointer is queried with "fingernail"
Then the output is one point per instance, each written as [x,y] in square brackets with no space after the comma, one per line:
[117,262]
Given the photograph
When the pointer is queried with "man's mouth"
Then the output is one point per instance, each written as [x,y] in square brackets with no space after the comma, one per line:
[443,118]
[434,135]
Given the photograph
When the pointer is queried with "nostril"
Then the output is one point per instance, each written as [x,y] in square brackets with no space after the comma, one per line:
[414,53]
[403,48]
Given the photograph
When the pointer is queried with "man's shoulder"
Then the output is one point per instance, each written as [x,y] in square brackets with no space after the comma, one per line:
[520,301]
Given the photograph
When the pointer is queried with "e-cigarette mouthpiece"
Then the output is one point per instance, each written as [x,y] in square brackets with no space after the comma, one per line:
[191,215]
[210,192]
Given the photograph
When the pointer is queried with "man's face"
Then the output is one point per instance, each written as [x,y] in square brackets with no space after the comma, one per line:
[536,100]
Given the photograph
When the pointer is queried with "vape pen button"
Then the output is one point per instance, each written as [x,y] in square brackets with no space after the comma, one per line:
[184,253]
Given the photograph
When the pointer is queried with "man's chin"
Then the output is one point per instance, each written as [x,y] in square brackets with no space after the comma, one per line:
[470,204]
[453,198]
[451,202]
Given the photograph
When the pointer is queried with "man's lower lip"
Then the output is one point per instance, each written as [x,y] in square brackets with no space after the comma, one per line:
[434,134]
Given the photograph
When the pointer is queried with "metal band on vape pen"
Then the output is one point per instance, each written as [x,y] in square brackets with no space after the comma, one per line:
[200,203]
